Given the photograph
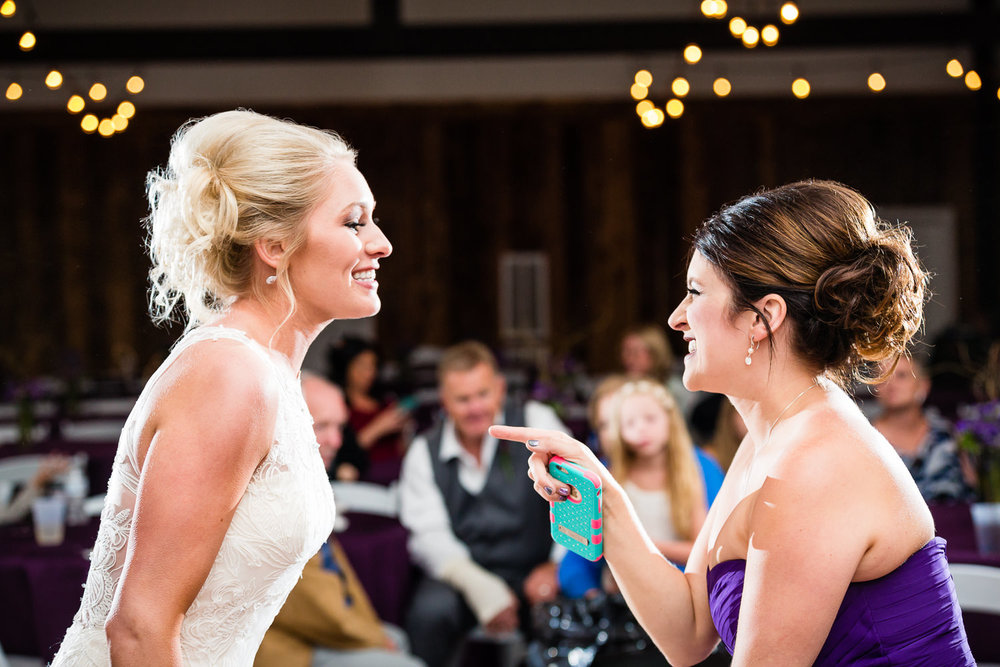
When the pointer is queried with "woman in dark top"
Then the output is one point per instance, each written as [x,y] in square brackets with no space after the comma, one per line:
[819,548]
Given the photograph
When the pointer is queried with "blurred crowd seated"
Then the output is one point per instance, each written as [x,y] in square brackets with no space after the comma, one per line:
[390,402]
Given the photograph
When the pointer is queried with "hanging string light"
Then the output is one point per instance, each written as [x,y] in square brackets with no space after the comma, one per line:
[954,68]
[89,123]
[692,54]
[98,91]
[75,104]
[680,86]
[126,109]
[769,35]
[643,106]
[54,79]
[8,8]
[876,82]
[135,84]
[801,88]
[653,118]
[27,41]
[789,13]
[972,80]
[675,108]
[750,37]
[721,86]
[14,91]
[736,26]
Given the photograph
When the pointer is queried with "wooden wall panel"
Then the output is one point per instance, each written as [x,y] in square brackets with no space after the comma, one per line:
[611,203]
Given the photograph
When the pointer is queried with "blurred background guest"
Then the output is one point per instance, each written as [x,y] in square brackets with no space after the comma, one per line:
[52,466]
[379,423]
[922,438]
[646,353]
[328,619]
[476,528]
[342,456]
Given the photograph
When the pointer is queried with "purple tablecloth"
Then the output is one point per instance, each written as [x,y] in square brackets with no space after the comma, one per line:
[376,547]
[40,587]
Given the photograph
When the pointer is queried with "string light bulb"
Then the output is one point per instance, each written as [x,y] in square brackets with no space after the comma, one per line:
[801,88]
[14,91]
[692,53]
[675,108]
[736,26]
[105,128]
[653,118]
[722,87]
[644,78]
[972,80]
[769,35]
[789,13]
[135,84]
[714,9]
[119,122]
[27,41]
[750,37]
[54,79]
[954,68]
[638,91]
[876,82]
[75,104]
[98,92]
[126,110]
[89,123]
[8,8]
[680,86]
[643,106]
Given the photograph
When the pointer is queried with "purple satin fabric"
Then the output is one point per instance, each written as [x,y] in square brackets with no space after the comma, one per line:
[908,617]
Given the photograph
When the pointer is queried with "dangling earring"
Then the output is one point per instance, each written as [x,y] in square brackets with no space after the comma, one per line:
[270,280]
[751,350]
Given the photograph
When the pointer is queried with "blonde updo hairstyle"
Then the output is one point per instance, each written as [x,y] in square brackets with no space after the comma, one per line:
[853,286]
[232,179]
[684,484]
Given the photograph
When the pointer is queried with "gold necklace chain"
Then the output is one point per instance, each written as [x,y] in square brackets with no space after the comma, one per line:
[767,440]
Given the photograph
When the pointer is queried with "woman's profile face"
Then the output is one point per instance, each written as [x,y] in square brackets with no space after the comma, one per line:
[645,425]
[716,346]
[334,272]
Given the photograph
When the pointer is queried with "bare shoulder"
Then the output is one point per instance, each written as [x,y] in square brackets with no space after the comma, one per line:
[222,390]
[842,474]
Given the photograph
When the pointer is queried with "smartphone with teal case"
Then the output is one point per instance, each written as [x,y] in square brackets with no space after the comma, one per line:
[577,521]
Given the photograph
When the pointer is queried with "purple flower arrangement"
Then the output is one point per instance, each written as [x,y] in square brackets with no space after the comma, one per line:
[978,432]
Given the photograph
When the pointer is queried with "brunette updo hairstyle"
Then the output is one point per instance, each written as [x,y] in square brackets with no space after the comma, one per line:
[854,289]
[232,178]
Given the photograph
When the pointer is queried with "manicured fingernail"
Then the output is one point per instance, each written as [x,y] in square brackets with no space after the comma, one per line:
[532,443]
[563,491]
[548,489]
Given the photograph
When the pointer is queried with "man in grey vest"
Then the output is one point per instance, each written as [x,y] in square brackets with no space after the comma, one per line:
[477,528]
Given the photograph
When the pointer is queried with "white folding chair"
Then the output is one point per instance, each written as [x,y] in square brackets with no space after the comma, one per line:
[366,498]
[978,590]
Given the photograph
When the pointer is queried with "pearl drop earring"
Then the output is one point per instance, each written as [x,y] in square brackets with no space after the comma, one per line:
[750,351]
[270,280]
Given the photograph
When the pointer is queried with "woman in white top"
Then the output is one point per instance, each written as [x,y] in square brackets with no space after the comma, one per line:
[260,234]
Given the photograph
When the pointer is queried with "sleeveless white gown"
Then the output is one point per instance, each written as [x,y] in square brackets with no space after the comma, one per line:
[281,521]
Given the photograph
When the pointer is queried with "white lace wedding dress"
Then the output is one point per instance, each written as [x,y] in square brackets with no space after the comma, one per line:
[284,516]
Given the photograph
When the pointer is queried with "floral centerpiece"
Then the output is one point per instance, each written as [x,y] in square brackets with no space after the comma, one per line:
[978,432]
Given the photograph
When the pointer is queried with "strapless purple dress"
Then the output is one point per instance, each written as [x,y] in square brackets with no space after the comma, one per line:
[908,617]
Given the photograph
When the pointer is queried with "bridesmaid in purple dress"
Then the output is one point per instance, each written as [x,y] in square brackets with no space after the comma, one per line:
[819,549]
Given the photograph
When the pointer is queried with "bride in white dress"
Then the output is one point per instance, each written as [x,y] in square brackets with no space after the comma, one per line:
[260,233]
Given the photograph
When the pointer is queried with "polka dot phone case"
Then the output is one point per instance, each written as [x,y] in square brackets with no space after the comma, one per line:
[577,521]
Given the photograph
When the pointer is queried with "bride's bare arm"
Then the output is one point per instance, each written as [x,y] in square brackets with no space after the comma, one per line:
[672,606]
[211,424]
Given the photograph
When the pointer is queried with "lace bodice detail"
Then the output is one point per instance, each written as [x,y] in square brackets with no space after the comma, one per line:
[284,516]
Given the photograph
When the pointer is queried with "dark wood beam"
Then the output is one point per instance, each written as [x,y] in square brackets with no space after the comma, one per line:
[387,38]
